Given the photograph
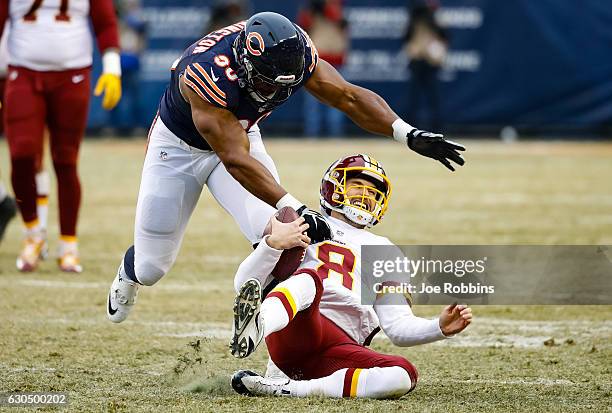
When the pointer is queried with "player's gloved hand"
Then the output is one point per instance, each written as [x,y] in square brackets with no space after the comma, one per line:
[433,145]
[110,85]
[109,82]
[318,227]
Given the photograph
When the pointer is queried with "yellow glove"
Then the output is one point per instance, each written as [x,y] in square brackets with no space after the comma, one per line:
[111,86]
[110,80]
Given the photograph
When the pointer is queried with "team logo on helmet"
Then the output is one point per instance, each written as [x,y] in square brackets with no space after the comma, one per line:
[255,44]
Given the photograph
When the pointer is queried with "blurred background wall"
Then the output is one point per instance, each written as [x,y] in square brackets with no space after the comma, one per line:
[543,67]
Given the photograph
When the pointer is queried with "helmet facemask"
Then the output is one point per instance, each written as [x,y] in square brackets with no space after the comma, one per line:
[361,203]
[263,76]
[267,91]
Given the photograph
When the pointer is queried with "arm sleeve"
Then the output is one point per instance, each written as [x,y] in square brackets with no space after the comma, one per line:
[404,329]
[259,264]
[395,314]
[104,22]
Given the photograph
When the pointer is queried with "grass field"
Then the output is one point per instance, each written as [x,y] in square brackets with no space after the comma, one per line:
[171,354]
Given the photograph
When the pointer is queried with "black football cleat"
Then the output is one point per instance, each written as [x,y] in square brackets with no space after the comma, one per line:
[250,383]
[237,383]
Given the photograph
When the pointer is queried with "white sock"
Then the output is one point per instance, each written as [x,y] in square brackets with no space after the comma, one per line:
[289,297]
[274,316]
[68,244]
[375,383]
[3,193]
[329,386]
[33,230]
[42,197]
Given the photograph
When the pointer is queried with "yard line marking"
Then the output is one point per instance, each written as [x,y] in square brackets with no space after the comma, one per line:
[537,381]
[205,286]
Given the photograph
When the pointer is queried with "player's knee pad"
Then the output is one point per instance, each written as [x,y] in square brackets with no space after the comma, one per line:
[410,369]
[387,382]
[160,211]
[304,289]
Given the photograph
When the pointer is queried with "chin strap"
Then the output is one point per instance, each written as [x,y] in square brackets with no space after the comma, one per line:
[353,214]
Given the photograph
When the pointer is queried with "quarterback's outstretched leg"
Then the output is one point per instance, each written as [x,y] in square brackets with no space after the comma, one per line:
[306,345]
[376,383]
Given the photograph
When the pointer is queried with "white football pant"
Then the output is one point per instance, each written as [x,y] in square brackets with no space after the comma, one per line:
[173,176]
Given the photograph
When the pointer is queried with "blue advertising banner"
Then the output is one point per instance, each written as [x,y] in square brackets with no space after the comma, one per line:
[543,64]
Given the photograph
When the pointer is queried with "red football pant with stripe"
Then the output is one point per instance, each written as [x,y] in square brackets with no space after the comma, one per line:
[312,346]
[59,101]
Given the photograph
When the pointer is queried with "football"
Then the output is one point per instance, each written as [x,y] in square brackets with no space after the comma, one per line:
[290,259]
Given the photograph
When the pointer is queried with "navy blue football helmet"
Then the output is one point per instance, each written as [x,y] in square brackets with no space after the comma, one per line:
[270,51]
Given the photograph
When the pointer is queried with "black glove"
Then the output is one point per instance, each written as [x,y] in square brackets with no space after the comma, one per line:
[433,145]
[318,228]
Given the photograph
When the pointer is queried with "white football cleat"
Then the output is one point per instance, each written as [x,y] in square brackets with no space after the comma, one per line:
[249,383]
[33,251]
[121,298]
[69,262]
[247,329]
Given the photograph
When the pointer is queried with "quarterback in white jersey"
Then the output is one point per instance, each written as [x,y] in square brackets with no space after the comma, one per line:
[338,264]
[316,328]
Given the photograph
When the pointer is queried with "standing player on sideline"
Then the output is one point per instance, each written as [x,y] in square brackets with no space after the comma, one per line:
[314,324]
[8,209]
[207,133]
[50,52]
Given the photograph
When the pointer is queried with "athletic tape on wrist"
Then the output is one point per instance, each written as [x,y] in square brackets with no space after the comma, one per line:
[289,200]
[401,130]
[111,63]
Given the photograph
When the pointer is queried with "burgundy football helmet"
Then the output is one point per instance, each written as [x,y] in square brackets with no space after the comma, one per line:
[335,192]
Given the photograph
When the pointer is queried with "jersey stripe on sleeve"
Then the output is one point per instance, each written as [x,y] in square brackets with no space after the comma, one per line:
[195,88]
[211,82]
[201,81]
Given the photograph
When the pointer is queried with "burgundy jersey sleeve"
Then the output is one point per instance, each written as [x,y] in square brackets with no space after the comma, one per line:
[104,20]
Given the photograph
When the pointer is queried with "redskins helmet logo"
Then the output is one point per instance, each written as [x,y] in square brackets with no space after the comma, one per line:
[255,44]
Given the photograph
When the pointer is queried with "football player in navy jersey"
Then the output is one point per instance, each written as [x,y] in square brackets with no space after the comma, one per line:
[207,133]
